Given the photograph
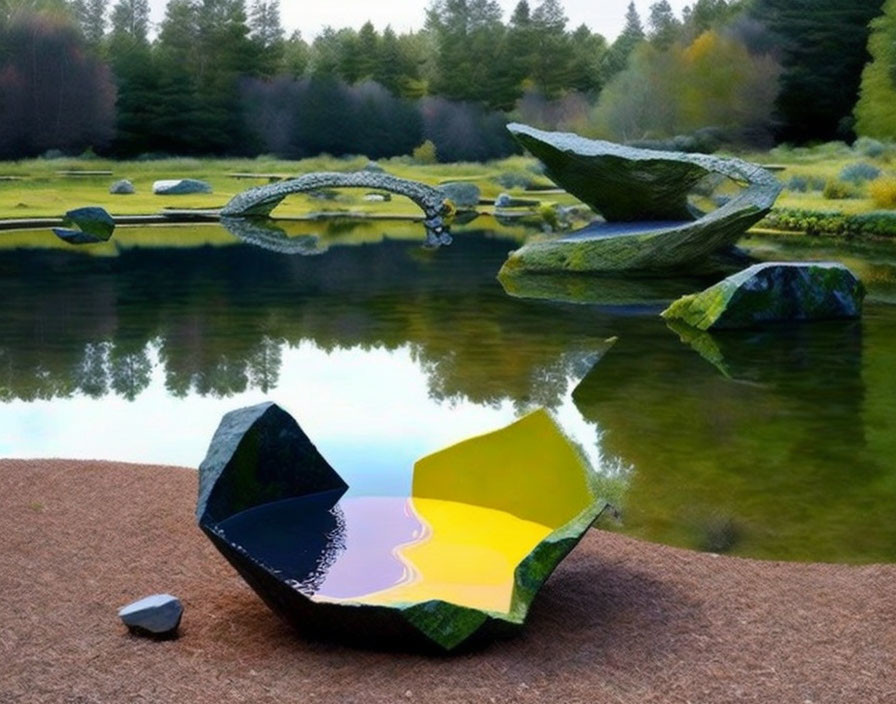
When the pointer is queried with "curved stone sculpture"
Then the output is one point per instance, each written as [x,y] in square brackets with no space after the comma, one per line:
[463,557]
[261,200]
[642,194]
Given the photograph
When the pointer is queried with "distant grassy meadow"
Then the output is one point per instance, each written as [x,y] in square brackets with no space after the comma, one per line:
[828,179]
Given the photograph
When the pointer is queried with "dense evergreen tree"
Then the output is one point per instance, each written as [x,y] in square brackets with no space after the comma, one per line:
[587,54]
[552,49]
[91,16]
[664,27]
[876,110]
[632,34]
[822,45]
[266,31]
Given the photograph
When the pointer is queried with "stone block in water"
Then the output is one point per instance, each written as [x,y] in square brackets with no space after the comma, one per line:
[773,292]
[94,225]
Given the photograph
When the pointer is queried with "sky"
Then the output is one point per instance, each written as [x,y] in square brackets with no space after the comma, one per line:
[604,16]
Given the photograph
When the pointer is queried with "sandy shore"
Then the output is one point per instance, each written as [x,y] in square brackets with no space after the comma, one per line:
[620,620]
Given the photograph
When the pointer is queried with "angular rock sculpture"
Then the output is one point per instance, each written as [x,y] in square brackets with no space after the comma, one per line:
[157,616]
[463,194]
[94,223]
[462,558]
[437,209]
[642,194]
[180,187]
[773,292]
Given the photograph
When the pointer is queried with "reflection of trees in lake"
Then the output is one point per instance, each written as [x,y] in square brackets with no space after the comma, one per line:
[768,454]
[218,318]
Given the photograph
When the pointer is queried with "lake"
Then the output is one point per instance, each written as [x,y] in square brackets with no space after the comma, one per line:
[778,444]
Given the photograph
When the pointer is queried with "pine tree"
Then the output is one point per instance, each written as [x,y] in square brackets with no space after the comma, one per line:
[875,112]
[91,16]
[632,34]
[588,50]
[823,50]
[553,52]
[130,18]
[266,32]
[664,26]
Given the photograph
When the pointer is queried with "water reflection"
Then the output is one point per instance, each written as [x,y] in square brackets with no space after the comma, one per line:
[772,445]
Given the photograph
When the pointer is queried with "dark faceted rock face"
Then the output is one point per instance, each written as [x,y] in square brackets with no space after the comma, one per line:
[770,293]
[157,616]
[259,455]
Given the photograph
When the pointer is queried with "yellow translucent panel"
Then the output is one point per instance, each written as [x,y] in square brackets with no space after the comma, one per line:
[466,555]
[528,469]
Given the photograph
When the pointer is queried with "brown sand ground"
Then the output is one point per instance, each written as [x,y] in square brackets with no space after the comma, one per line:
[620,620]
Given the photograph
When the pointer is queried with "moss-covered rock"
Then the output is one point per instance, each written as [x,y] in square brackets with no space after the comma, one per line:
[773,292]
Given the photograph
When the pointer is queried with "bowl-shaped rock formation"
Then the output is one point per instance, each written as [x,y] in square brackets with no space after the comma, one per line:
[773,292]
[643,196]
[462,558]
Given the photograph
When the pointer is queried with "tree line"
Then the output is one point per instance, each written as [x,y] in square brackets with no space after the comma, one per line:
[222,77]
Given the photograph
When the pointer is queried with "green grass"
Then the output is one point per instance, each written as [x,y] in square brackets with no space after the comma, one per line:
[41,192]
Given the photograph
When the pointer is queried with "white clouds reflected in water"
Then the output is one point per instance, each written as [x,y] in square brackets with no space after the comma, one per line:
[369,412]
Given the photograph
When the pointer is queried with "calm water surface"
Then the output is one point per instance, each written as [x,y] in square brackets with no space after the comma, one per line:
[778,444]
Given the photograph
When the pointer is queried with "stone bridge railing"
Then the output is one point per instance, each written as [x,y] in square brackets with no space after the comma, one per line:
[437,210]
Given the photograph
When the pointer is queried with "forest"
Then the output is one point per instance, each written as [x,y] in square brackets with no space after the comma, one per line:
[223,78]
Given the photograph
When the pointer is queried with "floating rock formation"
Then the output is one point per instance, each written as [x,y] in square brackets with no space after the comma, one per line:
[180,187]
[643,196]
[395,571]
[156,616]
[770,293]
[94,225]
[122,188]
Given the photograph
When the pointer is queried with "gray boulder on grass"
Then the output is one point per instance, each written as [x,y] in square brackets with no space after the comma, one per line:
[122,188]
[180,187]
[461,193]
[156,616]
[773,292]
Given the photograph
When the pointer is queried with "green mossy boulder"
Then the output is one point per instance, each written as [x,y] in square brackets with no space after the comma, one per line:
[773,292]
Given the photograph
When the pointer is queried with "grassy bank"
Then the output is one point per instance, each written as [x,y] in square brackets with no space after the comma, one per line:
[829,189]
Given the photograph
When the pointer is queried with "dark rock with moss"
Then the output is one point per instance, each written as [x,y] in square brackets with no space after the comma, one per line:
[643,198]
[773,292]
[94,225]
[260,459]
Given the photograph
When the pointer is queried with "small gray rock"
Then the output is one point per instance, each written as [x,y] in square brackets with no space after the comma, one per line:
[461,193]
[376,197]
[503,201]
[122,188]
[180,187]
[374,167]
[156,616]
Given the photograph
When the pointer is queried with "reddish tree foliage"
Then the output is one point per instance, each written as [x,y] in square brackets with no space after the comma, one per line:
[53,94]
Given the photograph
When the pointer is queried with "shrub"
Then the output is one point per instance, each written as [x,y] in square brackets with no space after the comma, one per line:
[859,173]
[425,153]
[883,192]
[869,147]
[798,184]
[515,179]
[838,190]
[880,223]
